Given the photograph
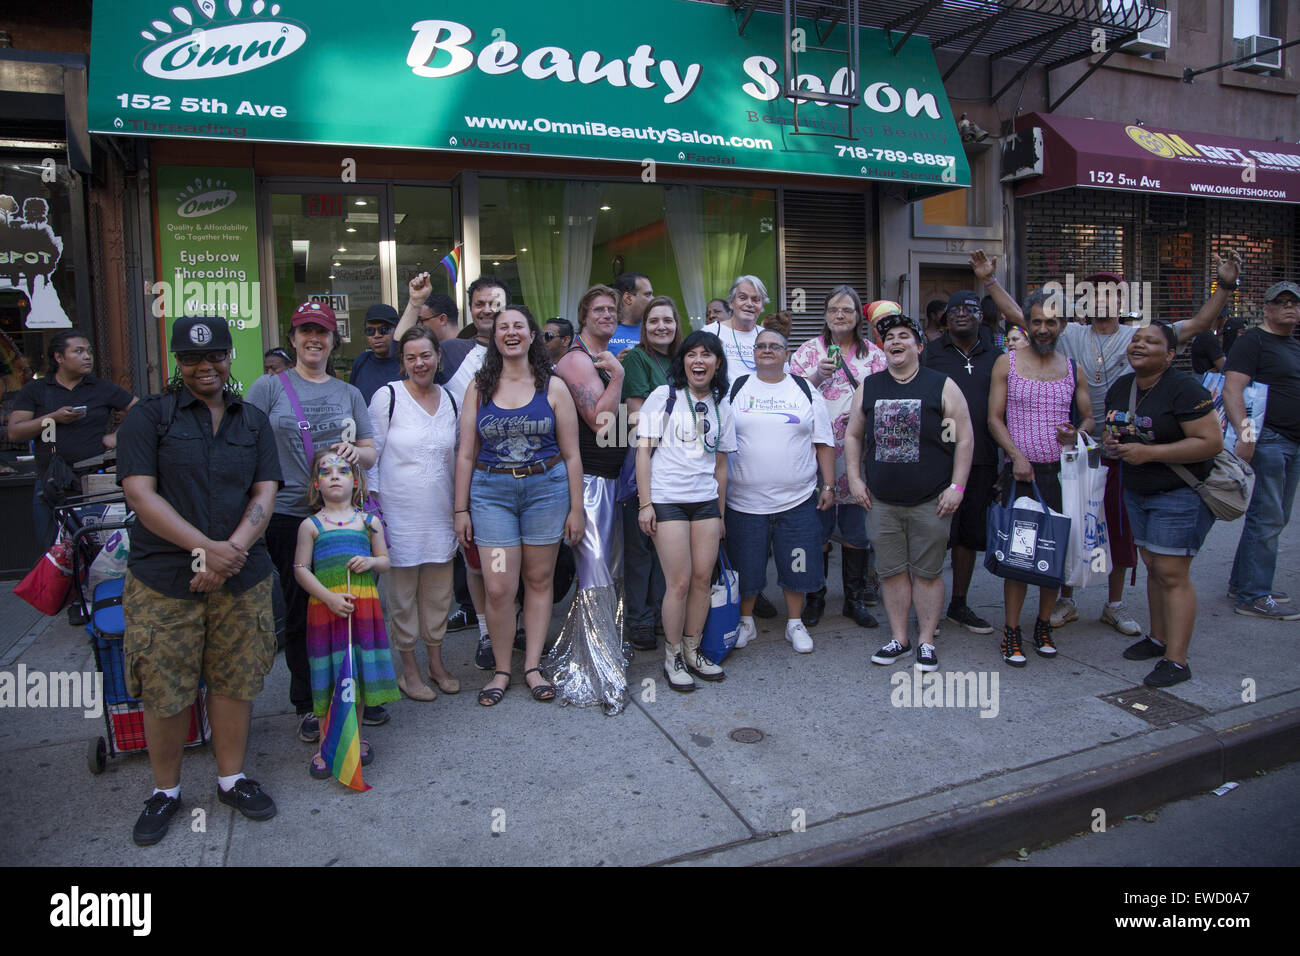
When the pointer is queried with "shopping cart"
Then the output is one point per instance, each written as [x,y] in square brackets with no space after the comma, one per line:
[105,623]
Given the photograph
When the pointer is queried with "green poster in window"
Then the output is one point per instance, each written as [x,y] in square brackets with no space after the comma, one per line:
[207,257]
[657,81]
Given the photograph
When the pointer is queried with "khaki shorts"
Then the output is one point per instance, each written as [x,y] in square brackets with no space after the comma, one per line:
[170,643]
[908,538]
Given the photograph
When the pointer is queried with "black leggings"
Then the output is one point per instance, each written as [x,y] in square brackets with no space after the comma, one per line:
[282,542]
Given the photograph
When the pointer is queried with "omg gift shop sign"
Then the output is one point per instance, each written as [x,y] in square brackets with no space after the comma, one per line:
[207,255]
[663,81]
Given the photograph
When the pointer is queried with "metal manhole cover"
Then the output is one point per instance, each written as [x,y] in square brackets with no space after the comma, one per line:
[1154,706]
[746,735]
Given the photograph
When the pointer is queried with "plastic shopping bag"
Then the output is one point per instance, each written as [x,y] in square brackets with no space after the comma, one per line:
[1027,541]
[1255,396]
[1083,494]
[723,623]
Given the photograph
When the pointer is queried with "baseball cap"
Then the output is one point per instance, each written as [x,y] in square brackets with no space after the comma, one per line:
[317,313]
[1112,277]
[200,333]
[875,311]
[894,320]
[1281,288]
[379,312]
[964,299]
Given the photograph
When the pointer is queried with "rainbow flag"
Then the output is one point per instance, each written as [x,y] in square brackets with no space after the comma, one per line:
[452,261]
[340,732]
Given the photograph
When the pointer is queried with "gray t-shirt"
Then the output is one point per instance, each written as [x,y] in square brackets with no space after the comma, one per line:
[328,406]
[1103,359]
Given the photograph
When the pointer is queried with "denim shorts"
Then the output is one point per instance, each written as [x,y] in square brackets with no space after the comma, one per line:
[852,520]
[507,510]
[793,538]
[1170,522]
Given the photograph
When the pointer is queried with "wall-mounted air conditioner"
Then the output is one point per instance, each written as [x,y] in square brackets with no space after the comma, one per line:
[1154,37]
[1247,46]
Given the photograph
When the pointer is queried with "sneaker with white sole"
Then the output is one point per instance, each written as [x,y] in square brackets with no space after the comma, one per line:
[484,657]
[1064,612]
[890,653]
[797,634]
[746,633]
[1266,607]
[927,658]
[1121,619]
[1279,597]
[1012,650]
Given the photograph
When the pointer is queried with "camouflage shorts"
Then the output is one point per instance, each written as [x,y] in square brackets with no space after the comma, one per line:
[170,642]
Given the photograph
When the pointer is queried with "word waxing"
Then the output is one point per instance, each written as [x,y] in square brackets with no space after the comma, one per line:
[73,689]
[951,689]
[76,909]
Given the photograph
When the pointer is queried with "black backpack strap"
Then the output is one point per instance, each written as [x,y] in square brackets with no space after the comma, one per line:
[736,387]
[804,386]
[392,401]
[671,403]
[170,403]
[446,391]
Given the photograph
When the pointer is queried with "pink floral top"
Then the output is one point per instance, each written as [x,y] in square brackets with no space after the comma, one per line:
[838,392]
[1034,409]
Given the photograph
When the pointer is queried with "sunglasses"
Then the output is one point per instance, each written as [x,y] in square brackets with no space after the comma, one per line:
[190,359]
[702,409]
[372,330]
[548,336]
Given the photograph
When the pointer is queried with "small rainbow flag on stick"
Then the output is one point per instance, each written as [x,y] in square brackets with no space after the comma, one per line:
[452,261]
[340,733]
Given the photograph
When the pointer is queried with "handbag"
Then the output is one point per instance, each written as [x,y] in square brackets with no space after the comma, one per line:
[1227,489]
[1083,496]
[1027,541]
[59,481]
[723,623]
[46,586]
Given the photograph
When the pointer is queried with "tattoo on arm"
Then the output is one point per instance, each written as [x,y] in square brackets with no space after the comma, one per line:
[585,397]
[255,514]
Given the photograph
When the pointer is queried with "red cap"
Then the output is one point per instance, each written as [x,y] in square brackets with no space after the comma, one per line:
[315,313]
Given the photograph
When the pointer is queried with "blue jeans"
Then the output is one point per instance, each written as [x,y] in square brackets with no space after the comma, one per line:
[1277,473]
[643,579]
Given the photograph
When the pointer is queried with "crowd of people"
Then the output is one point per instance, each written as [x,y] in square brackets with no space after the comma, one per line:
[454,476]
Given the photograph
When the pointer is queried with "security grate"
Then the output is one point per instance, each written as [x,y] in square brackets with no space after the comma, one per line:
[827,243]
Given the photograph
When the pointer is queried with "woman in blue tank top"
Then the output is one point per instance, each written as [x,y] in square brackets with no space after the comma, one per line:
[518,489]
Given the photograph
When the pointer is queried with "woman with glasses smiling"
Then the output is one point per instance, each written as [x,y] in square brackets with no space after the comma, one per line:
[783,443]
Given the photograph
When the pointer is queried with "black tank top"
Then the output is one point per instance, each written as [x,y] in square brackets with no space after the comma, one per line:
[907,460]
[601,457]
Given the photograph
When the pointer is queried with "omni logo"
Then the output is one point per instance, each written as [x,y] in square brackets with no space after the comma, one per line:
[203,47]
[200,199]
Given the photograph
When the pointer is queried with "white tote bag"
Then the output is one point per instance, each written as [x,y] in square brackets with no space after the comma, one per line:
[1083,494]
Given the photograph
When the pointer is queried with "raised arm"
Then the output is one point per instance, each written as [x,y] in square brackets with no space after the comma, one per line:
[419,289]
[985,270]
[1228,267]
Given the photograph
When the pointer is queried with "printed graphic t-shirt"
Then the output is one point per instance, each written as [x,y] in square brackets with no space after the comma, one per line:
[907,460]
[774,466]
[681,470]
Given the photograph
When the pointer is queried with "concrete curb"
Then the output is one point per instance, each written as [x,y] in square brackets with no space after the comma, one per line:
[982,832]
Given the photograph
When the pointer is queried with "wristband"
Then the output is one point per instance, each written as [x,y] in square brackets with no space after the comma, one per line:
[957,487]
[991,282]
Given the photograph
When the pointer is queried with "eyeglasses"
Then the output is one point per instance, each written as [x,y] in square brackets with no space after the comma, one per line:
[1286,303]
[964,310]
[190,359]
[841,311]
[769,347]
[372,330]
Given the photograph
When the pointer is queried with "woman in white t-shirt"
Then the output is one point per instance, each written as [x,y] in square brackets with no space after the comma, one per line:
[684,433]
[783,443]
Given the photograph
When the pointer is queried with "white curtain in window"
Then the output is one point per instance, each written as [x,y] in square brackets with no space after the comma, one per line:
[709,232]
[581,202]
[535,206]
[685,216]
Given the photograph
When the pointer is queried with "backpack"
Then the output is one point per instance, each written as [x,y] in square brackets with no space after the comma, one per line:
[799,380]
[392,401]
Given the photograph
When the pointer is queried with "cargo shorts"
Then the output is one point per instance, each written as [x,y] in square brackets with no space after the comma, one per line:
[228,640]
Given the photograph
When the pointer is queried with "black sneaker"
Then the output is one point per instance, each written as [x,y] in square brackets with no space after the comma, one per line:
[156,818]
[963,615]
[248,798]
[927,659]
[375,716]
[642,638]
[1166,674]
[763,607]
[1144,650]
[1043,639]
[890,653]
[484,659]
[308,728]
[460,621]
[1012,652]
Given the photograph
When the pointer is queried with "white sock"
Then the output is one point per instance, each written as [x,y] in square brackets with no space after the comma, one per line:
[172,792]
[226,782]
[747,620]
[791,620]
[482,626]
[1113,604]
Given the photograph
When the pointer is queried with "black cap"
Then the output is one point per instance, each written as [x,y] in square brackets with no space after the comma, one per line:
[200,333]
[964,298]
[889,322]
[382,313]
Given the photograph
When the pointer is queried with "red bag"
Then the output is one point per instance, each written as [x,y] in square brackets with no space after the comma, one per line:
[46,585]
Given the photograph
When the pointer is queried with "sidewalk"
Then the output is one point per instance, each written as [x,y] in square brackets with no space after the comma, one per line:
[840,774]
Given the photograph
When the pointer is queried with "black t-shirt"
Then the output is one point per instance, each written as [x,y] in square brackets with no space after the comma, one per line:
[907,460]
[943,356]
[207,478]
[453,353]
[1272,360]
[1232,328]
[1205,352]
[81,439]
[1177,397]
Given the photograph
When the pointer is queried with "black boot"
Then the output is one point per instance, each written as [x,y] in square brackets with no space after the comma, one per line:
[814,603]
[853,571]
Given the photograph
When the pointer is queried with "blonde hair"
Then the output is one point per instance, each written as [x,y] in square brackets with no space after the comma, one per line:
[314,498]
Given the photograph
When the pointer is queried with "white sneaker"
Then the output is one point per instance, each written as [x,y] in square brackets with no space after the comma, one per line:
[746,633]
[1121,620]
[797,635]
[1064,612]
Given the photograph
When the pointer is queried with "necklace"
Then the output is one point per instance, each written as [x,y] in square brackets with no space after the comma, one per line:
[970,369]
[904,381]
[752,366]
[1101,354]
[1143,393]
[655,358]
[339,524]
[695,422]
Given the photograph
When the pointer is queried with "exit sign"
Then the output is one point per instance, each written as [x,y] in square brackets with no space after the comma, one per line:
[322,206]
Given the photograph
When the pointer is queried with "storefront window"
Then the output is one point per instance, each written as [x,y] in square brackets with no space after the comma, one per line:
[424,229]
[550,240]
